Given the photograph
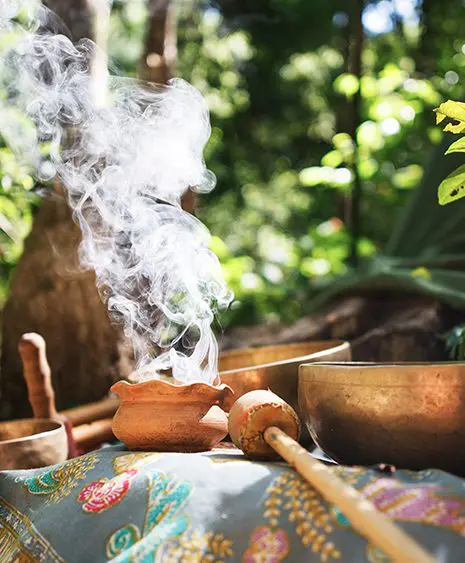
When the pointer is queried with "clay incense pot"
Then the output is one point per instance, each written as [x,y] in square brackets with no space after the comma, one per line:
[157,415]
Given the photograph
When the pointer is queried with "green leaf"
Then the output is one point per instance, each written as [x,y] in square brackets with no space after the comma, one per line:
[453,187]
[457,146]
[408,177]
[332,158]
[346,84]
[455,342]
[219,248]
[452,110]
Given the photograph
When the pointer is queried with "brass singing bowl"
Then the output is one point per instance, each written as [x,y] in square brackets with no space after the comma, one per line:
[276,367]
[32,443]
[411,415]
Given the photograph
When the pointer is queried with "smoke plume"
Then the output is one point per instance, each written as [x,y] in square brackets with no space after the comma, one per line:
[125,167]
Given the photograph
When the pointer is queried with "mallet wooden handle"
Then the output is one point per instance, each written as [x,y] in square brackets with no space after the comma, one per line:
[37,374]
[363,515]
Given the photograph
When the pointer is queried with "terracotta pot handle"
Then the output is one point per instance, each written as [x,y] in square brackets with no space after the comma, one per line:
[227,399]
[37,374]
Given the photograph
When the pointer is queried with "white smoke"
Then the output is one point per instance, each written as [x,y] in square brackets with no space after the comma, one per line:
[125,167]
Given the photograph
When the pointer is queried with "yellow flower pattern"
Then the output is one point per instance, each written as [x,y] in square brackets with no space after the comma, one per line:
[306,510]
[128,462]
[61,480]
[194,547]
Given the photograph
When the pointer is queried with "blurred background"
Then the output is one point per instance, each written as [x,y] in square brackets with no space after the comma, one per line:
[327,158]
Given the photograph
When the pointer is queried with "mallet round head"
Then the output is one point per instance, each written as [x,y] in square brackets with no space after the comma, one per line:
[252,414]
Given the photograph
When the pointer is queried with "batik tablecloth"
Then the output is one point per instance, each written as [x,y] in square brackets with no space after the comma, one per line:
[113,505]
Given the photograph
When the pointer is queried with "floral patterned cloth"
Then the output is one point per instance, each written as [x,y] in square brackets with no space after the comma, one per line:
[113,505]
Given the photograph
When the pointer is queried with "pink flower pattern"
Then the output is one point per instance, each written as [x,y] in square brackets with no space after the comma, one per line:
[105,493]
[426,504]
[267,546]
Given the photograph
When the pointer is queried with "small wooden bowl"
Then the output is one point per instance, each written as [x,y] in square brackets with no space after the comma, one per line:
[32,443]
[411,415]
[276,367]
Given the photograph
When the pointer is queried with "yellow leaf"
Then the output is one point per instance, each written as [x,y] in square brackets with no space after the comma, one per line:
[453,187]
[457,146]
[456,112]
[421,272]
[456,128]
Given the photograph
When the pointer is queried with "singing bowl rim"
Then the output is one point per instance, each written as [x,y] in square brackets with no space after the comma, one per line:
[399,373]
[57,428]
[334,346]
[352,364]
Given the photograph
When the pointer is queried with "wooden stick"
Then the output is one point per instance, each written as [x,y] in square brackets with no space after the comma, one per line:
[89,436]
[362,514]
[84,414]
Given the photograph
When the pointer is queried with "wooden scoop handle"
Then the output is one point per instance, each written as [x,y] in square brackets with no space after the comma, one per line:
[37,374]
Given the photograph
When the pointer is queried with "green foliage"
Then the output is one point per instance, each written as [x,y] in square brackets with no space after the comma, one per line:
[282,154]
[424,254]
[453,187]
[276,76]
[457,146]
[454,111]
[455,342]
[17,195]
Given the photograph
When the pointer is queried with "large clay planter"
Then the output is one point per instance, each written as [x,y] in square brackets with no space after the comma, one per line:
[159,416]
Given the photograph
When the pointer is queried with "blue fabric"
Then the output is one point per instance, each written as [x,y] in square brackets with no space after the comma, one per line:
[114,505]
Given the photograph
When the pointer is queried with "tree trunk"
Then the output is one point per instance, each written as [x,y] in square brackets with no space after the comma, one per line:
[75,15]
[50,295]
[159,58]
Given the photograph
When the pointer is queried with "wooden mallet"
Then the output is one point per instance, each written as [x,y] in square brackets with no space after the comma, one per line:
[262,425]
[37,374]
[87,426]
